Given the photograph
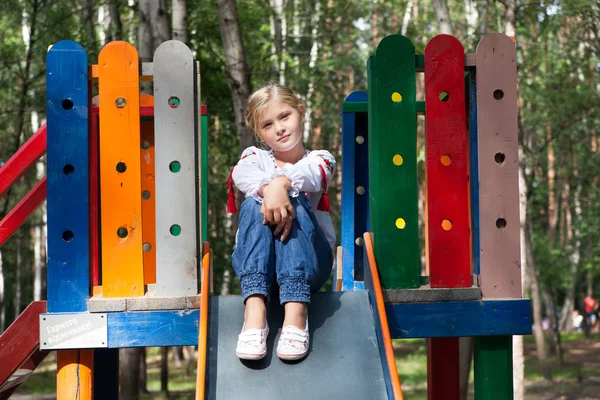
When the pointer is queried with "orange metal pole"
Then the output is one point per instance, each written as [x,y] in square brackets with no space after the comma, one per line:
[74,379]
[203,323]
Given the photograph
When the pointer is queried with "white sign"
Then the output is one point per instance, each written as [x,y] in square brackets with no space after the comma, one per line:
[73,331]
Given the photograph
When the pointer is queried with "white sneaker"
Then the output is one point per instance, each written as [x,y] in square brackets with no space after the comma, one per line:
[252,344]
[293,343]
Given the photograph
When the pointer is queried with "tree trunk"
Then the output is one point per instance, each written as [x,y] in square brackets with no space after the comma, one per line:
[314,53]
[143,370]
[443,16]
[406,19]
[116,26]
[17,300]
[129,377]
[279,34]
[38,236]
[466,353]
[472,15]
[161,24]
[164,370]
[483,23]
[236,67]
[180,24]
[555,342]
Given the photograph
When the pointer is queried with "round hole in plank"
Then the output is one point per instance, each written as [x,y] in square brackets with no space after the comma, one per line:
[446,225]
[174,102]
[499,157]
[68,235]
[175,166]
[145,144]
[146,247]
[498,94]
[397,159]
[396,97]
[359,241]
[175,230]
[121,167]
[360,190]
[400,223]
[122,232]
[360,139]
[444,96]
[120,102]
[68,169]
[67,104]
[145,195]
[445,160]
[500,223]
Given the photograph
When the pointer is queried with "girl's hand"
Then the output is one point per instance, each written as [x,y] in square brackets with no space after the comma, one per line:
[276,207]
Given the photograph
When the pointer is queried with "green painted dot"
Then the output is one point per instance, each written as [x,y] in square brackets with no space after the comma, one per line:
[175,166]
[175,230]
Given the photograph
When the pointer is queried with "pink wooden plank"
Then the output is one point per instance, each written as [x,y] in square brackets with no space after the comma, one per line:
[498,167]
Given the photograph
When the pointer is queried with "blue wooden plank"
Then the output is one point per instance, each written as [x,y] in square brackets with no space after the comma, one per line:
[474,171]
[153,328]
[354,124]
[369,286]
[67,151]
[455,319]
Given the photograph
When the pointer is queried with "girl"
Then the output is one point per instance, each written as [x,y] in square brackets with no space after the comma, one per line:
[284,228]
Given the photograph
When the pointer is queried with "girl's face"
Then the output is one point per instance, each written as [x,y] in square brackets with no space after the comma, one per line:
[281,126]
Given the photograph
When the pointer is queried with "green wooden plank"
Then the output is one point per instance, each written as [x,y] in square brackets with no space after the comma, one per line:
[493,368]
[393,162]
[360,106]
[204,172]
[420,62]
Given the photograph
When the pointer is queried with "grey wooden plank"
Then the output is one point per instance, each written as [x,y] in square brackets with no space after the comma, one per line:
[427,294]
[499,223]
[175,121]
[343,362]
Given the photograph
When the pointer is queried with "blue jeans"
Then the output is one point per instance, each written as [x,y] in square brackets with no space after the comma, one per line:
[301,264]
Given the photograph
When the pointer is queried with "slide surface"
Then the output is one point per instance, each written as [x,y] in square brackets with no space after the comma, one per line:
[343,362]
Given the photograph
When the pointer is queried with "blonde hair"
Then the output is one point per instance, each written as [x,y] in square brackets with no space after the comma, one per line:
[259,100]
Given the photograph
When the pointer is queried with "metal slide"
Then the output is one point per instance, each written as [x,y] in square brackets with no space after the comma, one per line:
[344,361]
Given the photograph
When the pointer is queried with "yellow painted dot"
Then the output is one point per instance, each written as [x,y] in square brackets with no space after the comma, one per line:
[445,159]
[396,97]
[400,223]
[398,159]
[446,224]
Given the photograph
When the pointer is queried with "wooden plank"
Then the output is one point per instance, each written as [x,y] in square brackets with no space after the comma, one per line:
[373,286]
[23,159]
[447,164]
[146,72]
[175,138]
[120,186]
[22,374]
[74,378]
[426,294]
[493,368]
[153,328]
[455,319]
[94,201]
[24,208]
[473,172]
[443,374]
[20,340]
[204,175]
[469,62]
[497,108]
[203,324]
[393,158]
[67,105]
[147,160]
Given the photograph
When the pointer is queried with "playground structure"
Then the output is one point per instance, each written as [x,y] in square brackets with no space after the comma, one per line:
[127,203]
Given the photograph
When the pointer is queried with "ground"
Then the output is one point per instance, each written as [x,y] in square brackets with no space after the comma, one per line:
[577,379]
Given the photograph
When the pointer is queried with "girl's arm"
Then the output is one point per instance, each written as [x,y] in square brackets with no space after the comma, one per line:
[311,173]
[248,174]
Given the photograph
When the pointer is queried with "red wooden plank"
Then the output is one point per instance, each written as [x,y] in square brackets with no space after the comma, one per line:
[20,340]
[24,158]
[447,164]
[443,374]
[22,210]
[203,109]
[94,200]
[23,372]
[449,252]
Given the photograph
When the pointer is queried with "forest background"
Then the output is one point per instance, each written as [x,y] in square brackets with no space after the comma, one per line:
[320,48]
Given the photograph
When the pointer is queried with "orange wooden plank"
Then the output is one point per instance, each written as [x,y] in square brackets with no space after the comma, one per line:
[385,329]
[203,324]
[120,187]
[148,191]
[74,380]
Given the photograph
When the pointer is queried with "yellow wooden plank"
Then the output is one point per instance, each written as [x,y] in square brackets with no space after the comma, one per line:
[120,186]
